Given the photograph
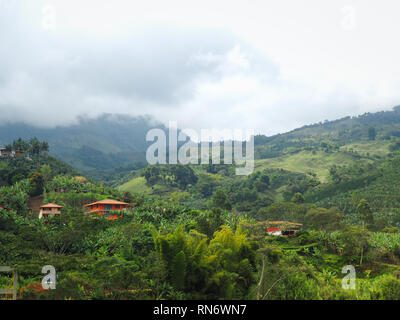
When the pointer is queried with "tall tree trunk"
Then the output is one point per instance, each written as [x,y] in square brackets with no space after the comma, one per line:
[261,279]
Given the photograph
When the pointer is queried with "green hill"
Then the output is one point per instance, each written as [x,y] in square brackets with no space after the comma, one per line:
[201,232]
[316,162]
[93,146]
[325,162]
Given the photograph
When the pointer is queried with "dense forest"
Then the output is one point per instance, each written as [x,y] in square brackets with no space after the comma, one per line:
[201,232]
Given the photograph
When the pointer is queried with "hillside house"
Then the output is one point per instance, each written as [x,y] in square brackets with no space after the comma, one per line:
[50,209]
[4,152]
[11,153]
[283,228]
[18,153]
[106,208]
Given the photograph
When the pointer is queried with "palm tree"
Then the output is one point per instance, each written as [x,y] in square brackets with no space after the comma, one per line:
[44,147]
[35,145]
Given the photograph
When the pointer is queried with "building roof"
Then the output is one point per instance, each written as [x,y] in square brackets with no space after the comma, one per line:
[106,201]
[51,205]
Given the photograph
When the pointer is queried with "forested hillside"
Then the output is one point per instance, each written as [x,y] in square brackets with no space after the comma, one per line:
[93,145]
[202,232]
[326,163]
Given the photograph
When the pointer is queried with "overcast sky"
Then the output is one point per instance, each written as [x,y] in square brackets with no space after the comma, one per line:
[270,66]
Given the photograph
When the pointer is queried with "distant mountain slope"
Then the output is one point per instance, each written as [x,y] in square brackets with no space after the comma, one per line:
[318,162]
[111,145]
[326,162]
[335,134]
[106,142]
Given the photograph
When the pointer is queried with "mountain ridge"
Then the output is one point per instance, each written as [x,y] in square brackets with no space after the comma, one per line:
[111,142]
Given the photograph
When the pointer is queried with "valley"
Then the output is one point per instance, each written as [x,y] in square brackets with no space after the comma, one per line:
[321,197]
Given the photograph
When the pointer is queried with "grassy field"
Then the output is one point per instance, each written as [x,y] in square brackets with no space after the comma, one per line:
[136,185]
[306,162]
[302,162]
[317,162]
[378,148]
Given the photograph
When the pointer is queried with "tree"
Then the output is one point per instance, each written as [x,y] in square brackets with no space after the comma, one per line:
[222,268]
[174,175]
[152,175]
[15,196]
[371,133]
[355,241]
[44,146]
[323,219]
[21,145]
[46,173]
[284,211]
[206,185]
[210,221]
[395,145]
[298,198]
[334,173]
[262,183]
[183,175]
[220,200]
[265,178]
[37,183]
[128,197]
[35,146]
[364,210]
[355,197]
[178,268]
[244,194]
[269,255]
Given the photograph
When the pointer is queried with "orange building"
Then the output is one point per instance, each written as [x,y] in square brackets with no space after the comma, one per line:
[105,207]
[50,209]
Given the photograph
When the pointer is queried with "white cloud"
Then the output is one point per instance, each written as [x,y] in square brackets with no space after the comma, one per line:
[271,66]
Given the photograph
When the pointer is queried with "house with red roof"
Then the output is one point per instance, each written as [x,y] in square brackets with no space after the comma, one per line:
[283,228]
[106,208]
[50,209]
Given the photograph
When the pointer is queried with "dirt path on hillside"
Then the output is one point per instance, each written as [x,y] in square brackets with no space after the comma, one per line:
[35,203]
